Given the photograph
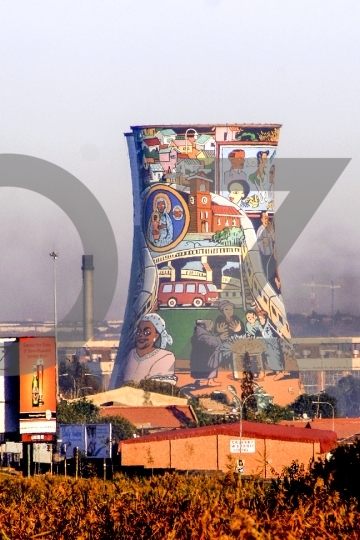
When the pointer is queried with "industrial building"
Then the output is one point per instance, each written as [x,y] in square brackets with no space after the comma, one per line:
[266,449]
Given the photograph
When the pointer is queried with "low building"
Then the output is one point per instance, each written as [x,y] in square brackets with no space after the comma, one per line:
[323,361]
[152,418]
[266,449]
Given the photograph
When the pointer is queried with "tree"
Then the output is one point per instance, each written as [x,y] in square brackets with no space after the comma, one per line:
[247,384]
[77,412]
[72,377]
[304,405]
[347,395]
[83,411]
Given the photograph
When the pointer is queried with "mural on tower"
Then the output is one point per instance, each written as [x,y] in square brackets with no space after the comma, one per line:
[205,286]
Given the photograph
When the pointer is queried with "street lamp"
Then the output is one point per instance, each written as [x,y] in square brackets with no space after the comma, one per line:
[195,137]
[55,255]
[69,375]
[333,410]
[96,375]
[240,403]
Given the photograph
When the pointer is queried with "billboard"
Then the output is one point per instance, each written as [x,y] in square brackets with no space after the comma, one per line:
[72,436]
[37,385]
[98,440]
[93,440]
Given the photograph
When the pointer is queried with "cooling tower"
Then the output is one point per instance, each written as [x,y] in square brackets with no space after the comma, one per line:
[204,286]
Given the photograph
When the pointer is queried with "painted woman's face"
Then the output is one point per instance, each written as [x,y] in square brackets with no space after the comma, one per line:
[146,335]
[236,195]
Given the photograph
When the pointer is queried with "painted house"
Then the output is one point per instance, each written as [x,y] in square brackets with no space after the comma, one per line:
[165,136]
[224,216]
[206,157]
[156,172]
[183,146]
[151,144]
[168,158]
[188,166]
[205,142]
[226,133]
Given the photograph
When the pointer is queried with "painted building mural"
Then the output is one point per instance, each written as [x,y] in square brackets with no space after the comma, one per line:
[204,286]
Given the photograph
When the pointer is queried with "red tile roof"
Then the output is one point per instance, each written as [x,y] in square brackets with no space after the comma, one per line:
[220,210]
[326,438]
[170,417]
[152,142]
[344,427]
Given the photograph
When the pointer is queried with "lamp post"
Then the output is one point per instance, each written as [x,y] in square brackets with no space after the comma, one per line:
[240,403]
[96,375]
[55,256]
[195,137]
[333,410]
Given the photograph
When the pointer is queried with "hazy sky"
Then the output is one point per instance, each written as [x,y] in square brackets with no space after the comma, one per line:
[76,75]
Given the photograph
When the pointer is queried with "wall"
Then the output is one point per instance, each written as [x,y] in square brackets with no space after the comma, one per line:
[213,453]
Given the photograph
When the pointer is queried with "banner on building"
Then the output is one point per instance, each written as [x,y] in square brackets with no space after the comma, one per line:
[247,446]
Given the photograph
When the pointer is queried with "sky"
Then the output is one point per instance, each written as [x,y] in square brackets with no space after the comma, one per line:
[76,75]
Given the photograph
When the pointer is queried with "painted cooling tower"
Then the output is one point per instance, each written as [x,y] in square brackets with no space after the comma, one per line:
[204,284]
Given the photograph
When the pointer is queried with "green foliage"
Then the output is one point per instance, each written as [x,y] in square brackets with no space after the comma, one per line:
[85,412]
[304,405]
[347,395]
[81,411]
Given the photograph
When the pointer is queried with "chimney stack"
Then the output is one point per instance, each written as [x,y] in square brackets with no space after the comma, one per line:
[88,296]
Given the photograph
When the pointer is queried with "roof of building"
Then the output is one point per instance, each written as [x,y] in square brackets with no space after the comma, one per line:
[257,430]
[167,132]
[154,141]
[191,161]
[167,150]
[156,167]
[219,210]
[203,139]
[170,417]
[206,153]
[344,427]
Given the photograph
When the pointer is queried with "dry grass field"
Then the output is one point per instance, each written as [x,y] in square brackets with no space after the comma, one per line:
[173,506]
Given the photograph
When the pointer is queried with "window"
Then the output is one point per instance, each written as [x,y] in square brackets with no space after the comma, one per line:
[190,288]
[234,294]
[226,222]
[225,136]
[218,221]
[211,287]
[281,319]
[273,310]
[202,187]
[202,289]
[201,215]
[167,288]
[179,287]
[206,215]
[234,222]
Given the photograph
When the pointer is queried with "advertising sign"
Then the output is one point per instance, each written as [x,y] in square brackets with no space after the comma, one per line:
[72,436]
[98,440]
[37,385]
[247,446]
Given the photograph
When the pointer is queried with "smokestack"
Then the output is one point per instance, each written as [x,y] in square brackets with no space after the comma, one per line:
[88,296]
